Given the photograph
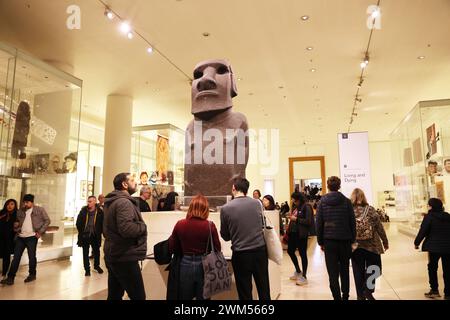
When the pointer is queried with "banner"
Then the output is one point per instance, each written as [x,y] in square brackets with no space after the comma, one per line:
[354,163]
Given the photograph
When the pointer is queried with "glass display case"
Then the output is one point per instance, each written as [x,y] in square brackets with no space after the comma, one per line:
[39,116]
[421,160]
[157,160]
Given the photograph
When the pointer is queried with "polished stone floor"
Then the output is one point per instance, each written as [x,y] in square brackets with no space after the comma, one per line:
[404,277]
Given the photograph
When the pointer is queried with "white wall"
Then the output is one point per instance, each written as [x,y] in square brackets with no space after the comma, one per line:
[381,167]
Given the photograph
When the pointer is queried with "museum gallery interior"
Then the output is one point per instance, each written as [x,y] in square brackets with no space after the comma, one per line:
[188,96]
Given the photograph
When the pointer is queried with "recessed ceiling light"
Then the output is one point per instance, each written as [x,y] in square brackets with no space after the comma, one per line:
[309,48]
[130,35]
[206,34]
[305,17]
[149,50]
[239,79]
[280,87]
[315,86]
[313,70]
[421,57]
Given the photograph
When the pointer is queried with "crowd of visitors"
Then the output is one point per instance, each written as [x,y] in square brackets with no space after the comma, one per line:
[347,230]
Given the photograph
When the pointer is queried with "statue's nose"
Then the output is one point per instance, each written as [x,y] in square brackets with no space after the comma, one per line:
[207,82]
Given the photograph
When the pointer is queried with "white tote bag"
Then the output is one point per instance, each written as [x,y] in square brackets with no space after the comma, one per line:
[273,242]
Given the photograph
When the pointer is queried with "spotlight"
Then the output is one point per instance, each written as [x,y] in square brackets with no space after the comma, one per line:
[125,27]
[360,83]
[130,35]
[109,14]
[305,18]
[376,13]
[149,50]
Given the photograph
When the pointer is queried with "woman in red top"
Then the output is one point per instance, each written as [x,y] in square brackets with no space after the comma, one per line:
[190,239]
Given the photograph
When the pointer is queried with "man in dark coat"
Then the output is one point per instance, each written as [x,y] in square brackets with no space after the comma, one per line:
[435,229]
[125,240]
[90,228]
[336,232]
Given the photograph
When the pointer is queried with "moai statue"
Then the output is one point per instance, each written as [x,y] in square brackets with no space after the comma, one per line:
[217,142]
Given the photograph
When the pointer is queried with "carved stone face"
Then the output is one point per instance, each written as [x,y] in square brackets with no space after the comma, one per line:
[213,87]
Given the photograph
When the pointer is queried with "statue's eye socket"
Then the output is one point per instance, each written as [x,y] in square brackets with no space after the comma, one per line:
[198,74]
[222,70]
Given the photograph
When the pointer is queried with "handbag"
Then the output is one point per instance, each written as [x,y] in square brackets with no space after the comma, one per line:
[217,277]
[364,230]
[273,243]
[161,252]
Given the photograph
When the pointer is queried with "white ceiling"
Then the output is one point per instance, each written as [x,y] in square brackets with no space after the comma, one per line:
[265,41]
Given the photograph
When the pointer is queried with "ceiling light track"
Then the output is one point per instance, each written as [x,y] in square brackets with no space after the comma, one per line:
[364,64]
[111,14]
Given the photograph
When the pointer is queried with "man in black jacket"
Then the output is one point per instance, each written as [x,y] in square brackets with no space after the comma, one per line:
[90,228]
[336,232]
[125,240]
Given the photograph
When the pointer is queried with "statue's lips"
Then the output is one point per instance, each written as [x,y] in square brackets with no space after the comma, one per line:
[207,93]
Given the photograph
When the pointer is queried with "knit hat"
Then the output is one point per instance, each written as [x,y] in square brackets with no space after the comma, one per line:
[28,197]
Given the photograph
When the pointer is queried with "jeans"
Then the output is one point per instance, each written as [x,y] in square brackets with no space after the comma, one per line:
[191,278]
[337,259]
[433,259]
[125,276]
[30,244]
[95,252]
[361,260]
[248,264]
[295,243]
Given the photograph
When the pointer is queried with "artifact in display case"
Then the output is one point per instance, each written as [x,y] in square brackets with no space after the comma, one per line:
[183,202]
[225,157]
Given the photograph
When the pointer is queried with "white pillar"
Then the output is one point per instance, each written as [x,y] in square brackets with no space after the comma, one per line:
[117,147]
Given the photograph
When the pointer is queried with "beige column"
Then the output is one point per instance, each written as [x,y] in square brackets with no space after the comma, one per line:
[117,147]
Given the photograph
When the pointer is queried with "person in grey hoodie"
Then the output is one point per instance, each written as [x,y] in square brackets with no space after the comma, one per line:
[125,235]
[435,230]
[336,232]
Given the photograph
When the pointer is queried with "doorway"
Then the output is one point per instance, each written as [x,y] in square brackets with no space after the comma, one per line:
[309,173]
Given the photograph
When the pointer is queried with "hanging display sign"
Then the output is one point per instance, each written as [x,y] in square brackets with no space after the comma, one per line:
[354,163]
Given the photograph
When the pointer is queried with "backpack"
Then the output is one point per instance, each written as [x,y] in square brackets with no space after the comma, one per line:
[364,230]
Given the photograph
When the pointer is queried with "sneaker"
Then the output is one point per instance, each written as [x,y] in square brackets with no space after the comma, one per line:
[432,294]
[295,276]
[99,270]
[7,281]
[301,281]
[87,273]
[30,278]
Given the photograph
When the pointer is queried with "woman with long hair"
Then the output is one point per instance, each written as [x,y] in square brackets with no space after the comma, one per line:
[190,239]
[268,203]
[372,242]
[8,216]
[301,222]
